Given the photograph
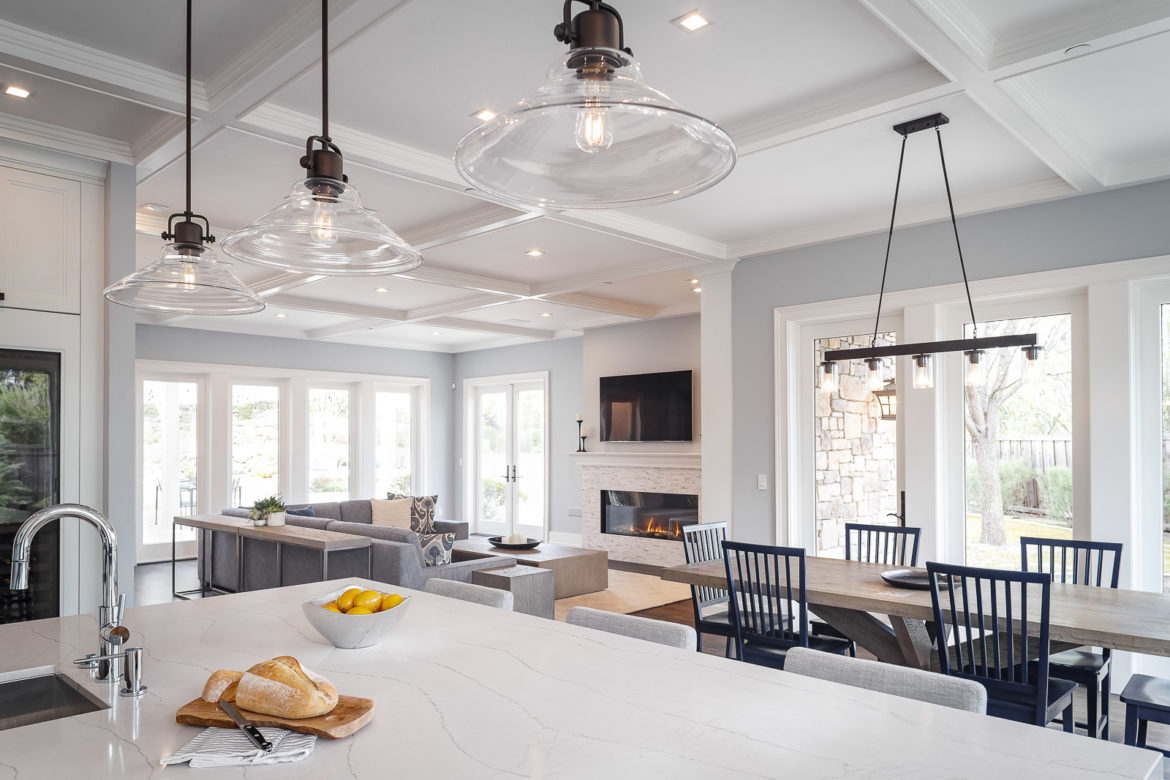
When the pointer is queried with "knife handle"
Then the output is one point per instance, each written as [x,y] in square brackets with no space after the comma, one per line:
[257,738]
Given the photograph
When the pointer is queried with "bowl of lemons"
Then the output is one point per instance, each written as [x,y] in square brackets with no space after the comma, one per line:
[353,616]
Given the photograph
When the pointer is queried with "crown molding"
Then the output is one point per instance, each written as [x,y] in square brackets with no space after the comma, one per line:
[1033,102]
[160,133]
[483,301]
[959,22]
[15,153]
[456,323]
[64,139]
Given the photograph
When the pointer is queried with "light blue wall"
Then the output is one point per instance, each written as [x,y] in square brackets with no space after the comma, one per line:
[203,346]
[562,359]
[1122,224]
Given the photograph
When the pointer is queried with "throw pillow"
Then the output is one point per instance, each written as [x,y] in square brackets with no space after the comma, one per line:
[391,513]
[422,512]
[436,548]
[306,511]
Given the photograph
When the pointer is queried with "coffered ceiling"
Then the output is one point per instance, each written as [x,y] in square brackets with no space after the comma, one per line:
[1048,99]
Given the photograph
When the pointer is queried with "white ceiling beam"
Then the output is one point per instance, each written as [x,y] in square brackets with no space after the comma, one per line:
[471,303]
[283,282]
[912,25]
[336,307]
[591,279]
[482,219]
[492,327]
[476,282]
[639,311]
[344,328]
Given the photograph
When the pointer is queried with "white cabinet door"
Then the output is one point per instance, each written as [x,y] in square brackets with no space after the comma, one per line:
[40,252]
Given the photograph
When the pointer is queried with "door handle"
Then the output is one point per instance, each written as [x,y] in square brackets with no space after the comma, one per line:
[506,477]
[513,473]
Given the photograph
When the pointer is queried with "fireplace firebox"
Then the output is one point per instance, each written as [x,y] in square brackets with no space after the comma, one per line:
[647,515]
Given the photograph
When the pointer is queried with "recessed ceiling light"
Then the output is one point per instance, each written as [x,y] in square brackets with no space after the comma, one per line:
[546,314]
[694,281]
[484,114]
[1080,48]
[157,208]
[380,290]
[16,92]
[690,22]
[534,253]
[281,316]
[434,333]
[697,289]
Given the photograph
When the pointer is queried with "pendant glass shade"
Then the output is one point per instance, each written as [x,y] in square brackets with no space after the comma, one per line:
[594,136]
[185,280]
[830,377]
[923,372]
[975,375]
[321,227]
[1033,364]
[876,380]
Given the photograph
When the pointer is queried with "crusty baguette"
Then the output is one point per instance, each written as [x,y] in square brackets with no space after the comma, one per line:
[283,688]
[221,686]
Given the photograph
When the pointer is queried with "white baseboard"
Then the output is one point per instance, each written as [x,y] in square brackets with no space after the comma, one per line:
[564,537]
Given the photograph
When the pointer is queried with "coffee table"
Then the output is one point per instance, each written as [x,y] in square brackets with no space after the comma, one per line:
[577,570]
[532,588]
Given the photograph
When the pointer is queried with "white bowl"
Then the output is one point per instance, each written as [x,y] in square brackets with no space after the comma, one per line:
[352,631]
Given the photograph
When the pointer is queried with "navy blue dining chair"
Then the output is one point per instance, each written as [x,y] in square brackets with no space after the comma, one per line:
[981,619]
[769,603]
[889,544]
[1096,564]
[703,542]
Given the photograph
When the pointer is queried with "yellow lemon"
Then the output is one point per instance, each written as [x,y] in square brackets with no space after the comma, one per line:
[359,611]
[390,601]
[331,606]
[370,599]
[345,600]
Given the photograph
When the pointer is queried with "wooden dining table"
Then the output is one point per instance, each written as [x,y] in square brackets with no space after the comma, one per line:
[852,597]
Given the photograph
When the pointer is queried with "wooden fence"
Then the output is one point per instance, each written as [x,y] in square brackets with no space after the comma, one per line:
[1040,454]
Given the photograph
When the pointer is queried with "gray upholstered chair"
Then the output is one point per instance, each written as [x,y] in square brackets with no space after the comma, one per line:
[465,591]
[659,631]
[888,678]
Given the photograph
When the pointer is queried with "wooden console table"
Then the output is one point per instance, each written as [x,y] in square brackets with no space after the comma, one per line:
[203,524]
[324,542]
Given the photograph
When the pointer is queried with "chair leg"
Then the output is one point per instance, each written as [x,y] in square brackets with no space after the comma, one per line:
[1069,722]
[1143,724]
[852,648]
[1131,723]
[727,649]
[1105,705]
[699,641]
[1091,722]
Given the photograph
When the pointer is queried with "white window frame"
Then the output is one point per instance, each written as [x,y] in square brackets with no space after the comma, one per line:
[419,454]
[282,432]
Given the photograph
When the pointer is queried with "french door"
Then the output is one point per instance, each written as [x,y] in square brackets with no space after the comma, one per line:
[170,460]
[508,437]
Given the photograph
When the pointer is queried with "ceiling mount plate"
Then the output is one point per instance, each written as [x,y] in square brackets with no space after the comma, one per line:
[922,123]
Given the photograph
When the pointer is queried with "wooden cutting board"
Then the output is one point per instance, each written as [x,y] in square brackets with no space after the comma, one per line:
[350,714]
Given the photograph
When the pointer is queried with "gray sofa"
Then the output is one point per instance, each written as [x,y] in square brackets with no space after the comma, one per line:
[396,558]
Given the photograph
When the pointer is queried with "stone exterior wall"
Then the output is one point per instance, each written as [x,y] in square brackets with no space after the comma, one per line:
[856,451]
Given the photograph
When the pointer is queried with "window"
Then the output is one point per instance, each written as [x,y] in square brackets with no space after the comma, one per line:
[1019,445]
[328,444]
[255,443]
[394,445]
[170,461]
[1165,322]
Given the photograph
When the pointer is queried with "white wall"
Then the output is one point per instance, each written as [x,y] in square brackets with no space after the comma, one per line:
[640,348]
[562,359]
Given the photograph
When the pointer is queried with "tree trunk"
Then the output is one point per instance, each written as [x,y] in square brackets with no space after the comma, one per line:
[991,529]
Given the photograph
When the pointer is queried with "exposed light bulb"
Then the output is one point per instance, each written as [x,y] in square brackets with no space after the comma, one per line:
[188,276]
[323,231]
[876,380]
[923,372]
[975,373]
[830,376]
[593,131]
[1033,363]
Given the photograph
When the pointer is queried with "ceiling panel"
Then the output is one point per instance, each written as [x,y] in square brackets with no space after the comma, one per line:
[567,251]
[65,105]
[424,337]
[400,293]
[1109,100]
[672,290]
[238,176]
[848,174]
[531,314]
[831,44]
[1005,18]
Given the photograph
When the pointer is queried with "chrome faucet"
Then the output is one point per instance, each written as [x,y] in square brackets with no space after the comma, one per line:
[110,614]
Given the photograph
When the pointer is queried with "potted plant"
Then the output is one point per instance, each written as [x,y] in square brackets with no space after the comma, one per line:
[268,511]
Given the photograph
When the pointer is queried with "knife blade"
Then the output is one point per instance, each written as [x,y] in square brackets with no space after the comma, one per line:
[247,727]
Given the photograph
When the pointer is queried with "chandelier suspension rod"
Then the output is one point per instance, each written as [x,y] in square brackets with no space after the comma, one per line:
[889,242]
[187,213]
[955,227]
[325,69]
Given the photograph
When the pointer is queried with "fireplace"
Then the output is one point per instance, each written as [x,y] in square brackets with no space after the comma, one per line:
[647,515]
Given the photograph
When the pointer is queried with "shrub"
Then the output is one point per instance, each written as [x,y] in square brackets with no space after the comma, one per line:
[1057,486]
[1015,476]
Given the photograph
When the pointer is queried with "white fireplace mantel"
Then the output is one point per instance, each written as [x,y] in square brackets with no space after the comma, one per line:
[633,458]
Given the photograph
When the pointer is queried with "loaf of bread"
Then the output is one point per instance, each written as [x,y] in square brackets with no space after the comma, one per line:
[221,686]
[282,687]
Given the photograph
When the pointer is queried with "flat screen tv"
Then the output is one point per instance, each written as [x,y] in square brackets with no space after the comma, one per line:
[646,407]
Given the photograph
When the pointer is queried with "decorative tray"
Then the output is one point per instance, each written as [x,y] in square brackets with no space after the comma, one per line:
[495,541]
[914,579]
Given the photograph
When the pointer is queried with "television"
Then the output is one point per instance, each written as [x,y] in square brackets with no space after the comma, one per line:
[646,407]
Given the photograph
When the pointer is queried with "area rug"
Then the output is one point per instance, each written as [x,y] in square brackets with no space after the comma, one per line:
[627,592]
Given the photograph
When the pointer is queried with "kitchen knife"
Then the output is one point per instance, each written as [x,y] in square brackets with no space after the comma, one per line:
[246,726]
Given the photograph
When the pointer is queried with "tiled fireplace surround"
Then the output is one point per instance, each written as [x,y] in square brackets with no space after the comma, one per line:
[632,471]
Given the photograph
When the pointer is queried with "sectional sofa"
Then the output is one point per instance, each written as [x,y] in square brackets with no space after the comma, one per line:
[396,559]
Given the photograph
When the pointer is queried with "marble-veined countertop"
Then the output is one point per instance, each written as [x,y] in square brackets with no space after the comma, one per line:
[464,691]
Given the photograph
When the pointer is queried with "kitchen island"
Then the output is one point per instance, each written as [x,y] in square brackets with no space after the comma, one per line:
[466,691]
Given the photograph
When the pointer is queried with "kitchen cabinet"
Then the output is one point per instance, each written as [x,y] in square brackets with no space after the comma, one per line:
[40,241]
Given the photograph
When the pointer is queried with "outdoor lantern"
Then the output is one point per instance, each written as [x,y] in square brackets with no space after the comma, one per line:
[887,399]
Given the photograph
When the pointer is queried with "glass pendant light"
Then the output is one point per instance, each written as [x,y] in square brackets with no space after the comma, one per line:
[830,377]
[595,136]
[1033,363]
[321,226]
[186,279]
[975,374]
[876,380]
[923,372]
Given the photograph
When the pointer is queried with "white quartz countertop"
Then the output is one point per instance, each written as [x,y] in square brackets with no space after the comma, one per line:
[464,691]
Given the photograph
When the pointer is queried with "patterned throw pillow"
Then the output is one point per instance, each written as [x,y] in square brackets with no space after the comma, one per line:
[436,548]
[422,512]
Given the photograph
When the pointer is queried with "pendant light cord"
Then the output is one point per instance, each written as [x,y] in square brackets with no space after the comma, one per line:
[324,69]
[955,227]
[889,242]
[187,213]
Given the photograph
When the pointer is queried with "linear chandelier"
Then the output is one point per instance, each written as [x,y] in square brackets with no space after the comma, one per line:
[974,348]
[186,279]
[595,136]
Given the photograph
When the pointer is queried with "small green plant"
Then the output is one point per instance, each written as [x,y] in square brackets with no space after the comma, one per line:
[266,506]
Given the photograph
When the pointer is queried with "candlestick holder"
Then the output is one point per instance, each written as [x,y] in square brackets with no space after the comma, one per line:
[582,449]
[581,446]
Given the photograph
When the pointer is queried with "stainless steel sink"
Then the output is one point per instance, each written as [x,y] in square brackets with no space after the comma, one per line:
[41,698]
